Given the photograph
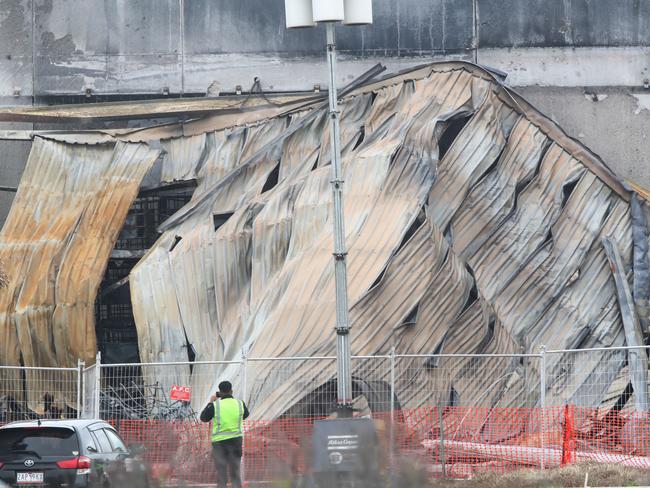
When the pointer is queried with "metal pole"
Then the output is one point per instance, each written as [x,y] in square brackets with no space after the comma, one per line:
[98,383]
[244,381]
[244,386]
[80,372]
[443,458]
[83,393]
[542,403]
[344,373]
[392,415]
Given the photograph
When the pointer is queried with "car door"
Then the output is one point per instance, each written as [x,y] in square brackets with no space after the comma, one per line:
[120,470]
[92,450]
[105,455]
[105,447]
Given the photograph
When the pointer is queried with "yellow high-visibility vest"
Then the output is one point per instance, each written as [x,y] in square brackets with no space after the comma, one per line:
[228,418]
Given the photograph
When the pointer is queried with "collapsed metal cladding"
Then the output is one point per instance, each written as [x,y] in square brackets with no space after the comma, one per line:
[474,225]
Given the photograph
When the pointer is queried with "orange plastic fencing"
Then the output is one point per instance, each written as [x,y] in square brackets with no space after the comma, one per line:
[454,442]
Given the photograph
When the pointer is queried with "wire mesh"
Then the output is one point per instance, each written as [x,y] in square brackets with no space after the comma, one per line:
[597,405]
[158,406]
[155,391]
[452,410]
[594,378]
[452,415]
[38,393]
[285,396]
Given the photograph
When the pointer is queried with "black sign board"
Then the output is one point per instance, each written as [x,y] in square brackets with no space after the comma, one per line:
[345,445]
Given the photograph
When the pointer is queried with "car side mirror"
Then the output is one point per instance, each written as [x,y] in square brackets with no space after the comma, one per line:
[92,449]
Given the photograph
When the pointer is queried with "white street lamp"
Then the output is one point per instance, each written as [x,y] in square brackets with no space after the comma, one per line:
[306,13]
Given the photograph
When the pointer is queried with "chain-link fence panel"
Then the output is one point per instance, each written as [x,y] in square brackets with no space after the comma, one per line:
[158,406]
[453,415]
[454,411]
[44,393]
[597,405]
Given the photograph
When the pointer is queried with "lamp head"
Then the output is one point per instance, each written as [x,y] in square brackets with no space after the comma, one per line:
[306,13]
[298,14]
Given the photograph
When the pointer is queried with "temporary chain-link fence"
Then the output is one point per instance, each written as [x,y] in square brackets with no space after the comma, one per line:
[453,415]
[31,393]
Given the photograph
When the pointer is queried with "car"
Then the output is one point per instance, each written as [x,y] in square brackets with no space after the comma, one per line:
[69,453]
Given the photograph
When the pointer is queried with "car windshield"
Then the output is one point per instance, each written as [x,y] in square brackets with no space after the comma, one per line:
[50,441]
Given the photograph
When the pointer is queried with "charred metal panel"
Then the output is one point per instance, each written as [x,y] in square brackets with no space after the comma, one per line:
[546,23]
[147,46]
[16,67]
[107,47]
[64,221]
[481,236]
[257,26]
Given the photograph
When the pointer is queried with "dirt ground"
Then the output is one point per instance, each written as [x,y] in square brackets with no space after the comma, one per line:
[611,475]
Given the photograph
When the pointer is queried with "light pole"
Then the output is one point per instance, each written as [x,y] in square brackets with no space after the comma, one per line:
[306,13]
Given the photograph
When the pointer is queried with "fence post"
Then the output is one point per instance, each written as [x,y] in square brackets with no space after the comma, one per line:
[80,374]
[98,383]
[244,386]
[443,459]
[244,380]
[391,454]
[542,403]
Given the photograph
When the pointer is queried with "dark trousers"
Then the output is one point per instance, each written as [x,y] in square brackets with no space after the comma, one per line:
[227,457]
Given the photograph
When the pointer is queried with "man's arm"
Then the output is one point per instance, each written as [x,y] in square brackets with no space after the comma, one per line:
[246,412]
[208,413]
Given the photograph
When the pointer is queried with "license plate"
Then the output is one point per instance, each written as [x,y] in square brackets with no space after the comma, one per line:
[28,478]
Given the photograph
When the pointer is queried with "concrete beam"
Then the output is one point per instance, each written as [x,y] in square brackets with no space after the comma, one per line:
[569,67]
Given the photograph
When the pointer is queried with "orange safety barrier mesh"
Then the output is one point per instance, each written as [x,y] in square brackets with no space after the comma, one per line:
[453,442]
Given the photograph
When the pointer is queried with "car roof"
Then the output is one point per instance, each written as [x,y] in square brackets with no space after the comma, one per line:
[71,424]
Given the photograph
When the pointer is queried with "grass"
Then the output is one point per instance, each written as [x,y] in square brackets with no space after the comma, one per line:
[611,475]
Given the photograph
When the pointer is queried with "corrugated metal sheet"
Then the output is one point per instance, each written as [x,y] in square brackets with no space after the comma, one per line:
[492,247]
[183,107]
[63,224]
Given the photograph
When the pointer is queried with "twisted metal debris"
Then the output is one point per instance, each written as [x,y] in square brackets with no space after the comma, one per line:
[474,225]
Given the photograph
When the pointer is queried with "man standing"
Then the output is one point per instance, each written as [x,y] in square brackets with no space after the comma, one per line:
[226,414]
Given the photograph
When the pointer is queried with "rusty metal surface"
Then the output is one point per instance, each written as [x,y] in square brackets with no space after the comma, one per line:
[68,211]
[493,246]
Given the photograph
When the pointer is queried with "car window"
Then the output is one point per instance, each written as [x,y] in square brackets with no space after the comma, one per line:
[102,441]
[118,445]
[89,440]
[44,441]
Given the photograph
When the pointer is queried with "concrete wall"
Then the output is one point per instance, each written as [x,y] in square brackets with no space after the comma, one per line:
[147,46]
[135,46]
[554,50]
[612,121]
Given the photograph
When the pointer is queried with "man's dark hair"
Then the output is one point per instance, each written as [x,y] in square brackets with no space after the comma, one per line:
[225,387]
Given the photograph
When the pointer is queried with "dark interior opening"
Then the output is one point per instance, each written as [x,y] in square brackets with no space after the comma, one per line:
[220,219]
[567,190]
[411,318]
[117,337]
[450,133]
[362,136]
[473,293]
[177,239]
[413,228]
[272,180]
